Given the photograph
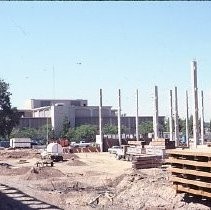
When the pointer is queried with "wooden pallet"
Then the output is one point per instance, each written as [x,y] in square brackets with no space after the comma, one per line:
[147,161]
[191,171]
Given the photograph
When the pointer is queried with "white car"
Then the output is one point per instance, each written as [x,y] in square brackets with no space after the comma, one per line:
[113,150]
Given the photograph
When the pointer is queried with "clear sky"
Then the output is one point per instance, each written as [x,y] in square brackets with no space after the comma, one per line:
[108,45]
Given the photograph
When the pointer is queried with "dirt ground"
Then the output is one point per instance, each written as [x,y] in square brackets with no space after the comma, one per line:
[86,181]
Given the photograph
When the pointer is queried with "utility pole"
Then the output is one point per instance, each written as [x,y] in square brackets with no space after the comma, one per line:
[195,99]
[100,122]
[202,117]
[119,118]
[171,117]
[176,120]
[155,117]
[187,120]
[137,129]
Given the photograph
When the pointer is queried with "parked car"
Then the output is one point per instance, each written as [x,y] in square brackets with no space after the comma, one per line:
[113,150]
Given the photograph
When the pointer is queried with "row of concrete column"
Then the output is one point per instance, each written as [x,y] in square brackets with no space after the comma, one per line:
[176,117]
[195,113]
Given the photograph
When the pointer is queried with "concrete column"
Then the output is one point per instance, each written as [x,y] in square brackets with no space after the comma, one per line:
[100,122]
[119,118]
[171,117]
[155,116]
[137,129]
[176,120]
[202,117]
[187,120]
[195,104]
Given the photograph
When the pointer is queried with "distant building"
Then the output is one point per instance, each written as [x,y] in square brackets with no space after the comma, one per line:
[39,112]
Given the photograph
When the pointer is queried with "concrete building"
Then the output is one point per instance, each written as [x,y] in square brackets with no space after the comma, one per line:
[38,112]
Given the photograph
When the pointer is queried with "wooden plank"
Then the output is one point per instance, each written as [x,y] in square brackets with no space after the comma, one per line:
[135,142]
[192,182]
[188,162]
[148,157]
[191,172]
[146,162]
[188,152]
[146,166]
[193,191]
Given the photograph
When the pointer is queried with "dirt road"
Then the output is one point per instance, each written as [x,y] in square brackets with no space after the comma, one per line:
[85,181]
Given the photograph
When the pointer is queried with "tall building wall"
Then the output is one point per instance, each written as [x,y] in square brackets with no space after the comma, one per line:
[33,122]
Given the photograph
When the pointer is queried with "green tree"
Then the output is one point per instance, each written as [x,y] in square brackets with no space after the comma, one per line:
[65,128]
[9,116]
[146,127]
[85,132]
[38,134]
[110,129]
[182,126]
[190,125]
[24,133]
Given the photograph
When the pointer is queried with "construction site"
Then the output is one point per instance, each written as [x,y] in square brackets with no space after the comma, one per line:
[162,173]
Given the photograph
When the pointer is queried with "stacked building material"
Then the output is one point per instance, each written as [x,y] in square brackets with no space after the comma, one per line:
[164,143]
[191,170]
[159,146]
[147,161]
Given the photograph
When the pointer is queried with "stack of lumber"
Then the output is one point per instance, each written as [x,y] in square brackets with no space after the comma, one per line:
[147,161]
[191,171]
[163,143]
[136,142]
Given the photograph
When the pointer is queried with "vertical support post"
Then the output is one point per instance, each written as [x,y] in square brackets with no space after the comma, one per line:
[202,117]
[54,85]
[47,131]
[195,105]
[171,117]
[137,129]
[119,118]
[187,120]
[176,120]
[155,117]
[100,122]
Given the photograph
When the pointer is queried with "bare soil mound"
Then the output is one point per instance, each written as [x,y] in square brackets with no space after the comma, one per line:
[7,170]
[18,153]
[76,162]
[42,173]
[67,156]
[63,186]
[148,189]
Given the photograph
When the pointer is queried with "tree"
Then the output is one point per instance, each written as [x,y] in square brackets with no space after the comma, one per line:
[36,134]
[110,129]
[24,133]
[66,126]
[146,127]
[9,116]
[84,132]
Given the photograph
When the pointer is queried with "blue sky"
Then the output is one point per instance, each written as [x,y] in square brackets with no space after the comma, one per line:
[126,45]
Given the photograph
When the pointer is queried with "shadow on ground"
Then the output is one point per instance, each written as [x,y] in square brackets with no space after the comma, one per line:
[14,199]
[197,199]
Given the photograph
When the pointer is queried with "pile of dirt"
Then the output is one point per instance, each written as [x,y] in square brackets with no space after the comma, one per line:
[143,189]
[70,156]
[76,162]
[42,173]
[149,189]
[18,153]
[63,186]
[8,170]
